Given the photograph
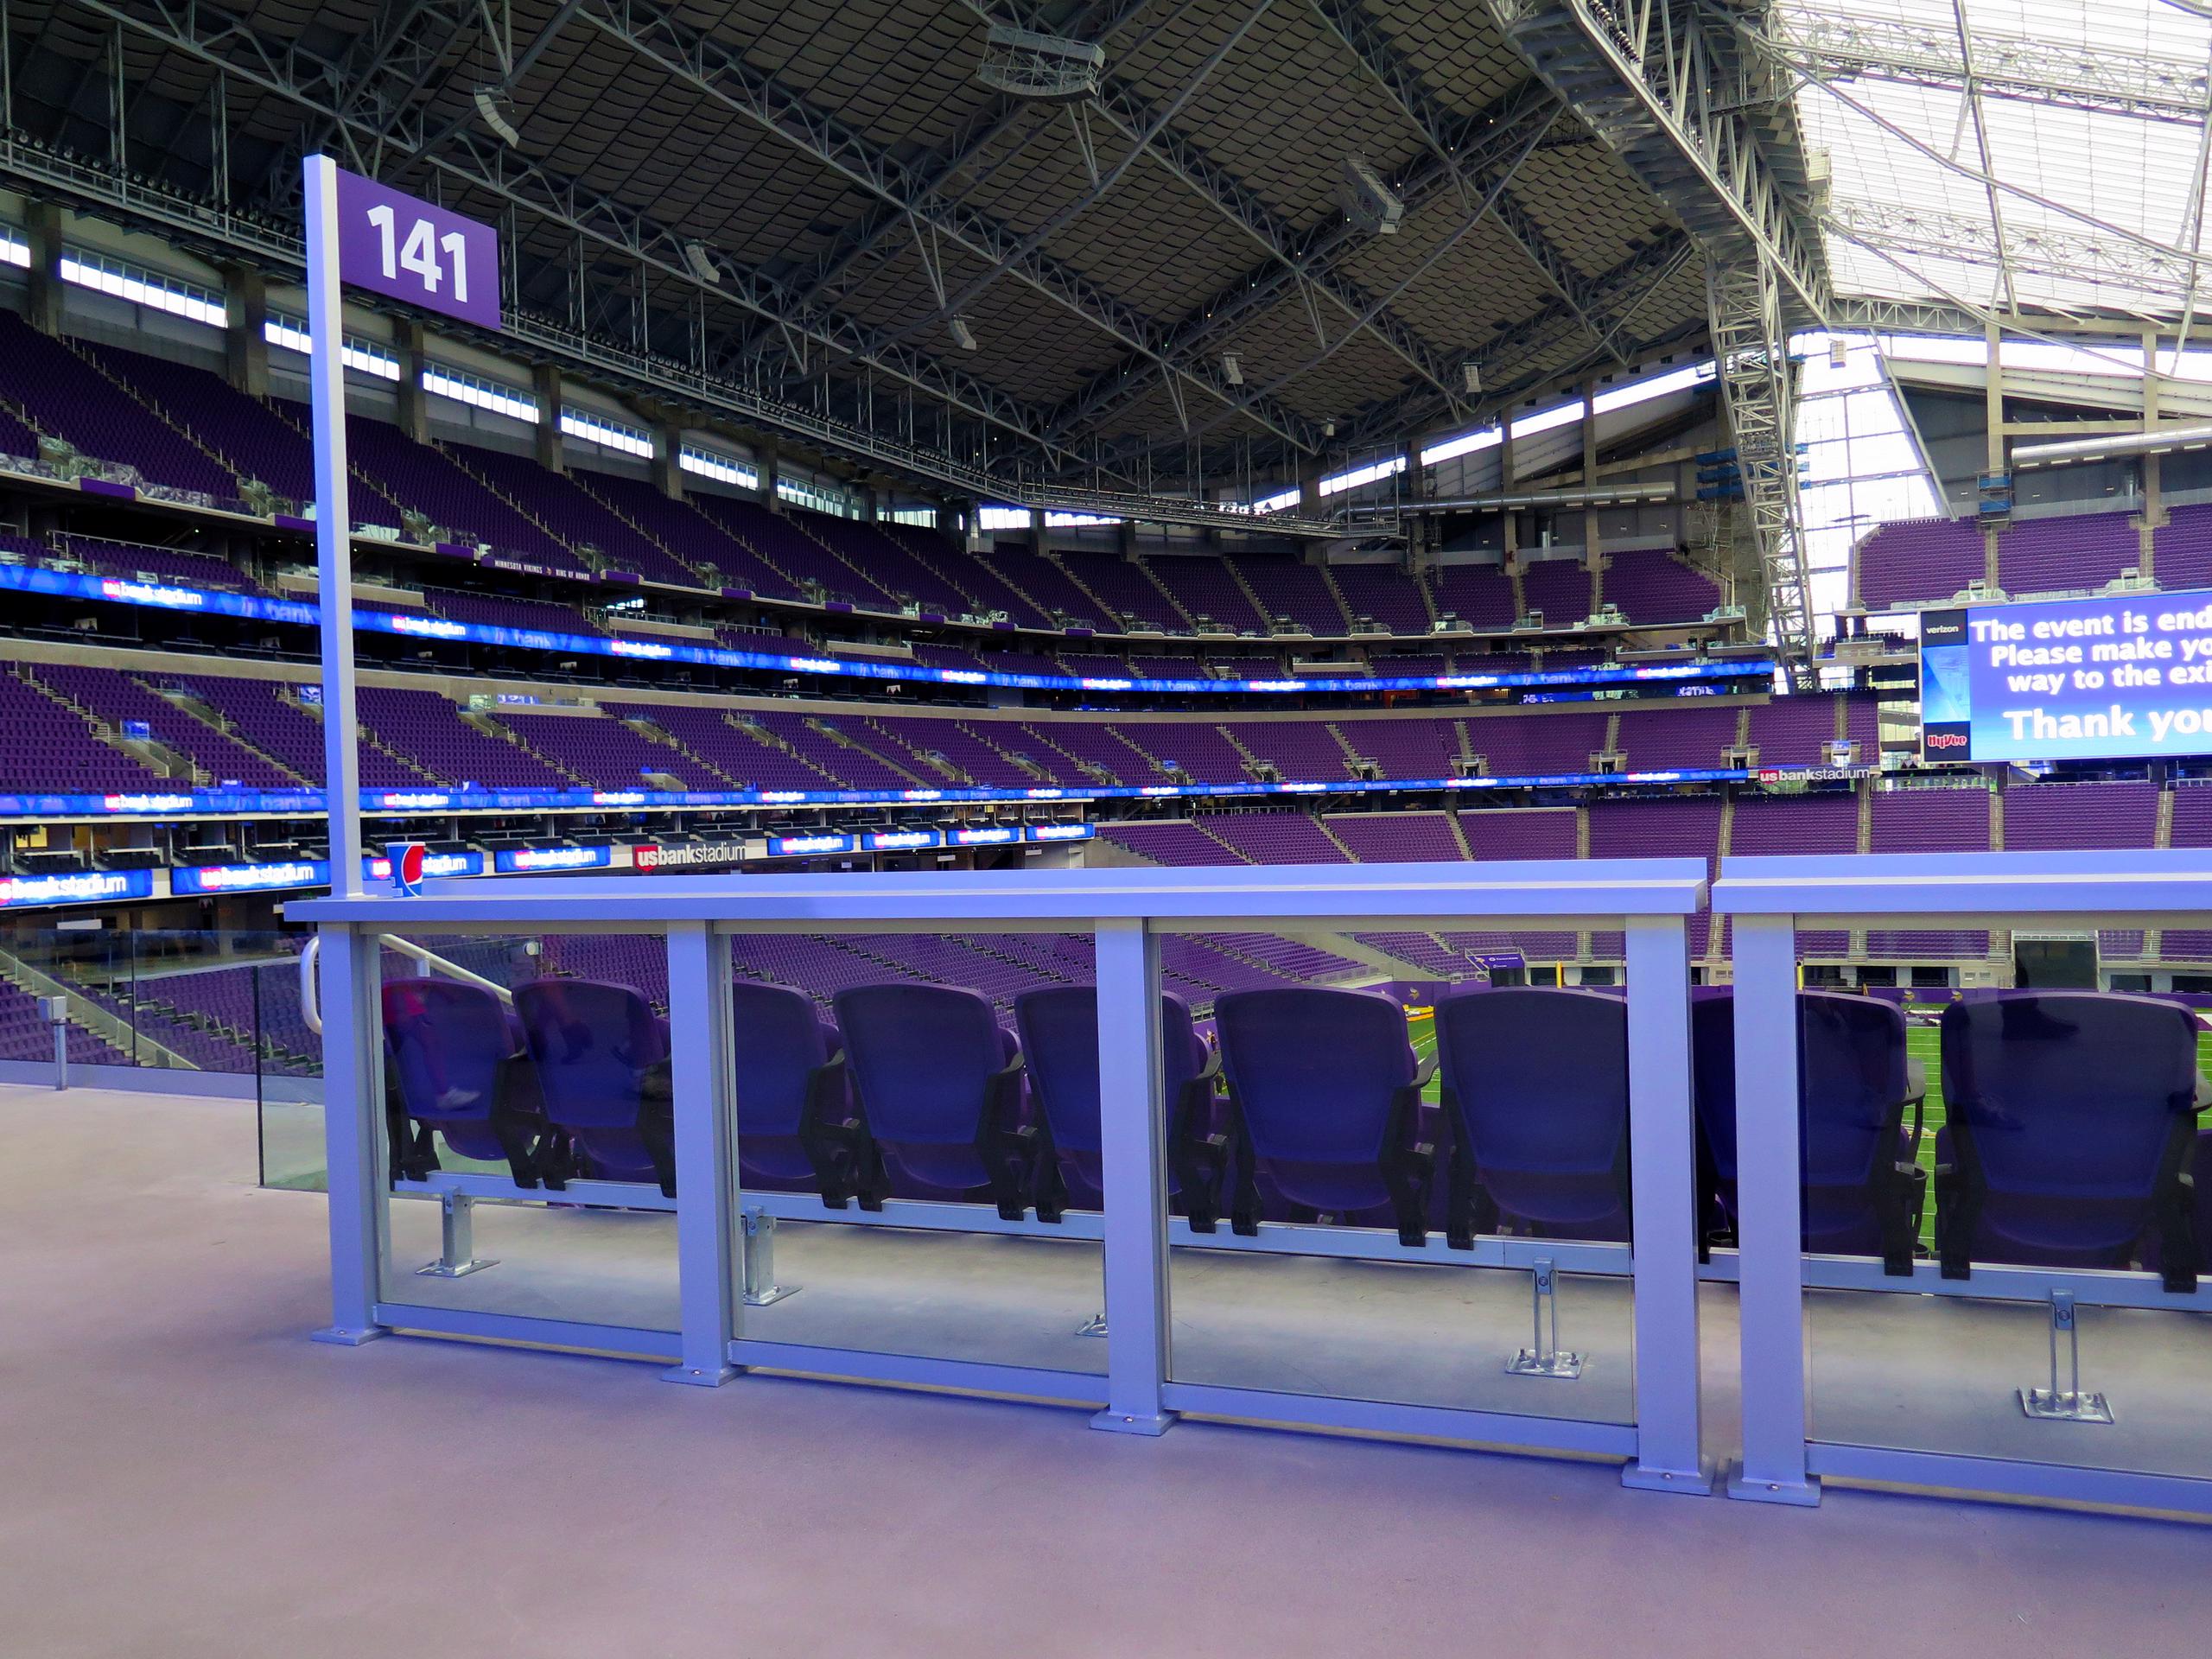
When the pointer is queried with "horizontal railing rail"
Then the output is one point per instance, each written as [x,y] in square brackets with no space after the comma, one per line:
[1128,911]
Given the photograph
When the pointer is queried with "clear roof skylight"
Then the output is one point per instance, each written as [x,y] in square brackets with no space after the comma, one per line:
[2043,153]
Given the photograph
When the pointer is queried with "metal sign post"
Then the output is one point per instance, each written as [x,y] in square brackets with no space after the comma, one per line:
[360,232]
[364,233]
[333,523]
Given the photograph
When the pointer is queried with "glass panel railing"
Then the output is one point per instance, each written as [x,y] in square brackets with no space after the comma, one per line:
[918,1136]
[526,1130]
[1426,1199]
[1997,1140]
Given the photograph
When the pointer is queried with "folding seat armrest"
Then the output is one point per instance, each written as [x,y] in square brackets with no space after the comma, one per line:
[414,1151]
[1426,1073]
[656,1121]
[1016,1155]
[518,1117]
[2179,1248]
[1198,1153]
[2173,1208]
[836,1142]
[1958,1206]
[1915,1085]
[1901,1209]
[1407,1168]
[1468,1208]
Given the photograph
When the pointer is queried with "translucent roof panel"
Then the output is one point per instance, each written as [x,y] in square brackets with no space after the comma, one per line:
[2043,153]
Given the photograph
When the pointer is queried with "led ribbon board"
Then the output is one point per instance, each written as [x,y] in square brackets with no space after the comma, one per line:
[412,625]
[526,860]
[75,888]
[2089,679]
[307,804]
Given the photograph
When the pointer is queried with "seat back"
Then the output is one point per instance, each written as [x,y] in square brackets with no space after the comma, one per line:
[920,1055]
[1058,1027]
[593,1044]
[2063,1104]
[1315,1071]
[1851,1081]
[1540,1077]
[778,1038]
[444,1041]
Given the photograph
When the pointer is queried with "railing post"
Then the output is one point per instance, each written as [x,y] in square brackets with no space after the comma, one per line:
[353,1131]
[705,1111]
[1134,1163]
[1769,1266]
[1663,1173]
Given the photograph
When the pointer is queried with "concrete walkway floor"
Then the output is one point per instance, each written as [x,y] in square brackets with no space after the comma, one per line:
[182,1473]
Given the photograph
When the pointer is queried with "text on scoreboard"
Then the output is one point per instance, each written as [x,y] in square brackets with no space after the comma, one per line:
[2086,679]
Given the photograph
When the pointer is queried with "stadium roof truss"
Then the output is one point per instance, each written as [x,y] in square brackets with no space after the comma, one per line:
[843,219]
[2005,158]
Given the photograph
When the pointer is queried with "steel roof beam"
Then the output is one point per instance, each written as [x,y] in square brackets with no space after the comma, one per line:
[1498,179]
[720,73]
[1679,104]
[1623,292]
[2045,250]
[289,70]
[1349,21]
[982,130]
[2002,65]
[1305,266]
[1127,112]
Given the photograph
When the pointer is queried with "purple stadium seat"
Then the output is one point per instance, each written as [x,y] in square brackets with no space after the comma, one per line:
[458,1065]
[1325,1108]
[1913,559]
[602,1067]
[1058,1025]
[2072,1118]
[795,1129]
[940,1087]
[1864,1194]
[1535,1093]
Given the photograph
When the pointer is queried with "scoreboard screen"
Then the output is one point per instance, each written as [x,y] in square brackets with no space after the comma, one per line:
[2084,679]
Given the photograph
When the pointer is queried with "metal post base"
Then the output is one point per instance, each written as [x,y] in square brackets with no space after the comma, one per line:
[444,1269]
[1531,1362]
[1093,1326]
[1803,1494]
[706,1377]
[2073,1403]
[2053,1406]
[457,1257]
[1699,1482]
[349,1336]
[761,1289]
[1152,1425]
[1546,1358]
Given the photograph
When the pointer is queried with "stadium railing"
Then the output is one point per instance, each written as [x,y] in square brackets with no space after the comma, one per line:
[713,1317]
[1858,1375]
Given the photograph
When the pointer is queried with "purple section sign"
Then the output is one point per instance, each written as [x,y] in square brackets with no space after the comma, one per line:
[390,244]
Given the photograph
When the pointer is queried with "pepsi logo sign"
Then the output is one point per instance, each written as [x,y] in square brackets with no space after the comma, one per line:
[405,858]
